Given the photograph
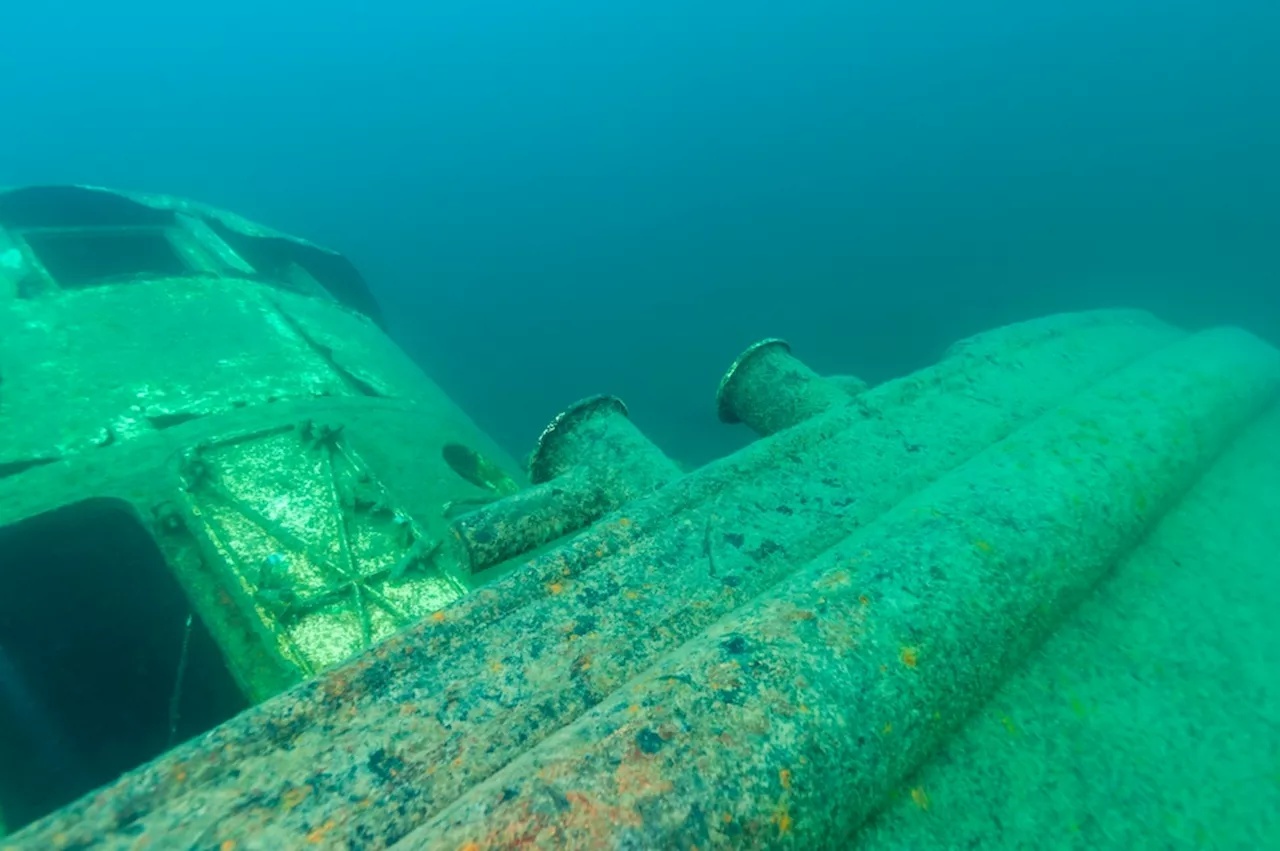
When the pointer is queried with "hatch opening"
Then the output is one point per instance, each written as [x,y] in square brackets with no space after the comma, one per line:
[92,623]
[89,257]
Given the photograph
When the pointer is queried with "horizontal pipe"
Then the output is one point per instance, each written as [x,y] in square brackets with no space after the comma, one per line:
[792,718]
[590,461]
[418,721]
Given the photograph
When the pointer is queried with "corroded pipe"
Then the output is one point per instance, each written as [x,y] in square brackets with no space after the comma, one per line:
[589,461]
[848,675]
[426,724]
[597,433]
[769,389]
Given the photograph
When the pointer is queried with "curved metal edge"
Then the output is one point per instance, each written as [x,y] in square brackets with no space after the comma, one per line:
[723,411]
[571,415]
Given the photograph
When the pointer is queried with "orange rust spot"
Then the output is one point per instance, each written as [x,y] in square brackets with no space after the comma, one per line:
[635,707]
[600,553]
[408,708]
[783,820]
[983,546]
[180,775]
[728,817]
[909,657]
[457,762]
[316,836]
[227,845]
[784,777]
[495,666]
[920,797]
[839,577]
[634,778]
[555,587]
[631,595]
[864,599]
[295,796]
[469,846]
[624,522]
[438,616]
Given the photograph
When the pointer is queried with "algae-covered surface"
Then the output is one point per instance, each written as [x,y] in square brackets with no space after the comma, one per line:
[1151,718]
[1023,599]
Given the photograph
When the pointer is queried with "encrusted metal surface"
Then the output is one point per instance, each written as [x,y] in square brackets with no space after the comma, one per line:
[770,390]
[285,457]
[599,693]
[316,552]
[543,467]
[724,407]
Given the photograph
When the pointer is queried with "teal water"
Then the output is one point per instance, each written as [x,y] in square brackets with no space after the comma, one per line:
[557,199]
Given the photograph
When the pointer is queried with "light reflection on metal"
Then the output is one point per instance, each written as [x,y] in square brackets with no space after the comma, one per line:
[314,550]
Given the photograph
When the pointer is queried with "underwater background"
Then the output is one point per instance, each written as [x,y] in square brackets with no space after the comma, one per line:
[561,198]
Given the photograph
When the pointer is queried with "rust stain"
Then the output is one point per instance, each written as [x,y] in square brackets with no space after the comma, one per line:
[909,656]
[983,546]
[782,819]
[316,836]
[784,777]
[227,845]
[295,796]
[438,616]
[633,779]
[555,587]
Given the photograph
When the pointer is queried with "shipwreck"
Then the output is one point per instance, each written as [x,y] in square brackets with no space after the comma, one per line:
[263,585]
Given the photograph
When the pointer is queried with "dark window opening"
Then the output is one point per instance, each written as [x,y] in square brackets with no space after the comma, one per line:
[92,626]
[82,258]
[273,257]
